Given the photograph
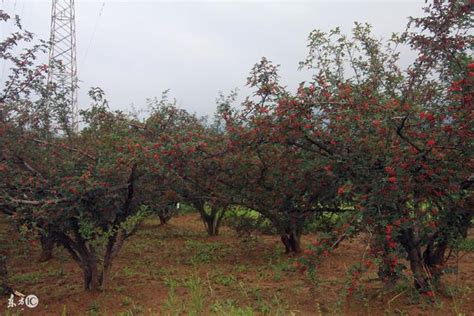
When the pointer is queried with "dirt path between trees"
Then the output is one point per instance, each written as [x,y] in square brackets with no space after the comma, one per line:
[177,270]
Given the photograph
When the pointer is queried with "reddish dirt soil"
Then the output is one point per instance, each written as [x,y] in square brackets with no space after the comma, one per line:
[176,269]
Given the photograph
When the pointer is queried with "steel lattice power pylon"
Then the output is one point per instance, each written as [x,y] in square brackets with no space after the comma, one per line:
[63,52]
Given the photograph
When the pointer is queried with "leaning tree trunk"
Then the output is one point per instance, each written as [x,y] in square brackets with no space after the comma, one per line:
[114,245]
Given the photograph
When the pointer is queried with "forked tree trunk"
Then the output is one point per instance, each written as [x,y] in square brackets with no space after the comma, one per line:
[411,243]
[212,223]
[292,242]
[291,237]
[421,278]
[96,275]
[213,220]
[434,258]
[84,253]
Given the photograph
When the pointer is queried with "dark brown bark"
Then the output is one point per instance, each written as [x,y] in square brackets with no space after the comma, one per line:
[212,227]
[92,277]
[212,220]
[163,219]
[434,258]
[113,247]
[96,274]
[47,247]
[4,284]
[421,278]
[410,242]
[292,242]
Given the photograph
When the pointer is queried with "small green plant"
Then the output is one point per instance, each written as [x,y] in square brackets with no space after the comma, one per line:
[279,267]
[128,272]
[228,307]
[94,308]
[196,289]
[204,252]
[127,301]
[247,223]
[28,278]
[132,311]
[225,280]
[240,268]
[172,305]
[467,245]
[10,312]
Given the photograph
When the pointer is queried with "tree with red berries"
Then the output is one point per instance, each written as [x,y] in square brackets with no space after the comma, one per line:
[281,182]
[397,139]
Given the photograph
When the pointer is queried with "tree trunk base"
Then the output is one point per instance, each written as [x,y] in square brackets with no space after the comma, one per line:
[47,246]
[292,243]
[4,287]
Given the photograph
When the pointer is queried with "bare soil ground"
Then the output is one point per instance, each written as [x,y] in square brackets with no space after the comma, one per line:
[177,270]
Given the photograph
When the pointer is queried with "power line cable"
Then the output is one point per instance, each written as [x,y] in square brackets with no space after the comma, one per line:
[93,34]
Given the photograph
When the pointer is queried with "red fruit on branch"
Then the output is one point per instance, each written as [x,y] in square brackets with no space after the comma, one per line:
[328,168]
[392,245]
[390,171]
[341,190]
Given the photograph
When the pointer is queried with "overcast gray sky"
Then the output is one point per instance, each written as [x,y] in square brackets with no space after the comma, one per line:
[136,49]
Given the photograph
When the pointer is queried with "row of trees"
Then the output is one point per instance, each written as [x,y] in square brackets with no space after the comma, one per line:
[387,146]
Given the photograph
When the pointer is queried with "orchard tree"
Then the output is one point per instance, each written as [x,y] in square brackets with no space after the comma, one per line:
[159,184]
[77,189]
[194,155]
[398,140]
[16,110]
[283,183]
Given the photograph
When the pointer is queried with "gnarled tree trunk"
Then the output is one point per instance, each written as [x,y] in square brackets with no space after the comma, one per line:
[83,252]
